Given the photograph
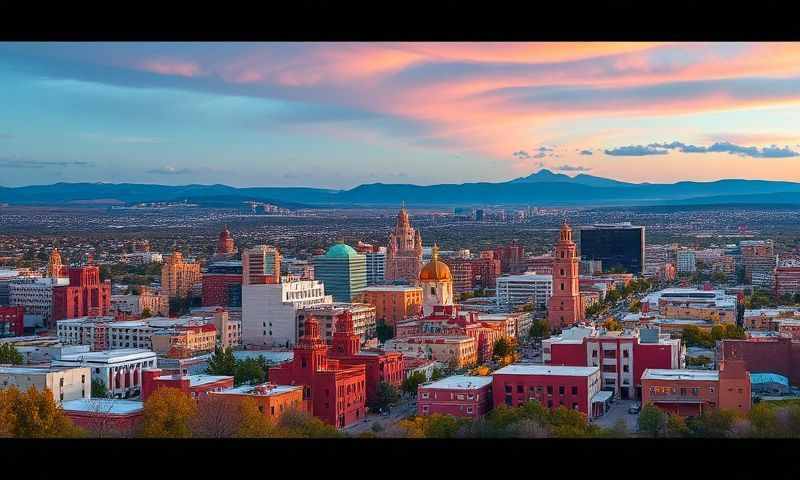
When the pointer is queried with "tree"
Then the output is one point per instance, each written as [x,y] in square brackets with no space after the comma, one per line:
[502,348]
[652,420]
[222,362]
[297,423]
[254,423]
[384,332]
[385,396]
[612,325]
[146,313]
[218,416]
[676,427]
[763,421]
[10,355]
[569,423]
[168,413]
[250,371]
[715,423]
[635,306]
[412,383]
[539,330]
[437,374]
[99,389]
[34,414]
[443,426]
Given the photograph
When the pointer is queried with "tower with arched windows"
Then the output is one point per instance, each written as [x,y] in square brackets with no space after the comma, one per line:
[565,306]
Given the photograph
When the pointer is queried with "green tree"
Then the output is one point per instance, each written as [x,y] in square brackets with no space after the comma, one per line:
[146,313]
[438,373]
[539,330]
[652,421]
[502,348]
[250,371]
[10,355]
[411,384]
[443,426]
[297,423]
[222,362]
[383,332]
[713,423]
[99,389]
[569,423]
[676,427]
[385,396]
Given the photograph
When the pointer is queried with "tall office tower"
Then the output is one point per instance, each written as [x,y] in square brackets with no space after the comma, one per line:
[511,258]
[261,265]
[620,246]
[687,262]
[222,284]
[376,262]
[759,261]
[55,268]
[436,282]
[404,252]
[566,305]
[343,271]
[178,276]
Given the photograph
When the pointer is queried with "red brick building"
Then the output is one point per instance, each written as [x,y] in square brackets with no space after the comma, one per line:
[621,357]
[85,296]
[787,278]
[459,395]
[105,416]
[225,245]
[333,392]
[193,385]
[688,393]
[510,257]
[577,388]
[565,306]
[222,284]
[12,321]
[461,269]
[778,355]
[485,270]
[379,366]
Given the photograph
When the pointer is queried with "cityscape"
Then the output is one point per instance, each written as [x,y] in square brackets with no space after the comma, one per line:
[399,241]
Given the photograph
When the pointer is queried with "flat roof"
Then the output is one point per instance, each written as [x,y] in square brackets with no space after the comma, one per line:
[768,378]
[254,390]
[680,374]
[13,370]
[461,382]
[269,356]
[118,355]
[526,277]
[196,380]
[602,396]
[528,369]
[390,288]
[103,405]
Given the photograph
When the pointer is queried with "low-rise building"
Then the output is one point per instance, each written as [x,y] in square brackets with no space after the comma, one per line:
[185,340]
[194,385]
[120,371]
[105,416]
[273,400]
[64,383]
[516,290]
[393,303]
[458,395]
[460,351]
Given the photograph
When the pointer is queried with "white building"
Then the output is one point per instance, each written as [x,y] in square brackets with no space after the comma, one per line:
[514,290]
[269,311]
[143,258]
[376,266]
[65,383]
[36,295]
[119,370]
[103,333]
[687,262]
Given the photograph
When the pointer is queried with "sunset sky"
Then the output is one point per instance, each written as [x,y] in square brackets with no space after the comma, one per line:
[341,114]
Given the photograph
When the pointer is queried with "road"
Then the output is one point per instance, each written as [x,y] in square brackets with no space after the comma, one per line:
[617,411]
[400,411]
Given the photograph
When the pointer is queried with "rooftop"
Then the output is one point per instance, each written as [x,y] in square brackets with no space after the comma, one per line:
[768,378]
[109,356]
[391,288]
[14,370]
[103,406]
[263,390]
[680,374]
[196,380]
[461,382]
[526,277]
[341,250]
[519,369]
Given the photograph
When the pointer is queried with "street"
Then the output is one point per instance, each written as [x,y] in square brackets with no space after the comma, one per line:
[619,410]
[400,411]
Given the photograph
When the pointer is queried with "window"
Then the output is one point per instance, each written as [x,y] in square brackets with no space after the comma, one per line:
[272,410]
[549,404]
[261,408]
[561,389]
[509,389]
[83,378]
[625,368]
[625,354]
[549,389]
[574,390]
[469,409]
[508,400]
[520,389]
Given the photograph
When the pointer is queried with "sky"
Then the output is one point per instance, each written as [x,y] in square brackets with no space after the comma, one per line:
[337,115]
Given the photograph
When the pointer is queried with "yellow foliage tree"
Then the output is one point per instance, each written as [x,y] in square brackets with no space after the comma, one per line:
[254,423]
[168,413]
[34,414]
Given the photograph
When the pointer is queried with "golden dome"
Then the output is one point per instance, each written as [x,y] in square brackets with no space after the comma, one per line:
[435,270]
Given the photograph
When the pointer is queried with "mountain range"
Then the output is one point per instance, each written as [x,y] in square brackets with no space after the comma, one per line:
[543,188]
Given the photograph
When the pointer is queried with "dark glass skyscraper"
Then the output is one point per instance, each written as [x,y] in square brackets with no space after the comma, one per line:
[619,246]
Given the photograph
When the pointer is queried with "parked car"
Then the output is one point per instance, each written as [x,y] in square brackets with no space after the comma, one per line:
[635,409]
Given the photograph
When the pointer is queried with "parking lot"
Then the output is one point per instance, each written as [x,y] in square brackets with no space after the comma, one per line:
[619,410]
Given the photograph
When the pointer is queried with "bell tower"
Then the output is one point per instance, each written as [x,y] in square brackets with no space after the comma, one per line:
[565,306]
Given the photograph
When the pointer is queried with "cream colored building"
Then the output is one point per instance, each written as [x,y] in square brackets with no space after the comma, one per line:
[65,383]
[462,350]
[436,282]
[178,276]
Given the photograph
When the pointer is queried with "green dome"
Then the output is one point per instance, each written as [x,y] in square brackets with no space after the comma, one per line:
[341,250]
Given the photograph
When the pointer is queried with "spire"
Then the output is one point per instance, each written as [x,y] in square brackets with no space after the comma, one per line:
[435,251]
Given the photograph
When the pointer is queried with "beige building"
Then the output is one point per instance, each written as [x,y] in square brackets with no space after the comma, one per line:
[178,276]
[363,319]
[462,350]
[185,341]
[133,305]
[65,383]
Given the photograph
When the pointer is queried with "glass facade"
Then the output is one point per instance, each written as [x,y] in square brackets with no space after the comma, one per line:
[618,248]
[344,278]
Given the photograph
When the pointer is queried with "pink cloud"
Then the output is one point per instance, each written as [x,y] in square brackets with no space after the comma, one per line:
[171,67]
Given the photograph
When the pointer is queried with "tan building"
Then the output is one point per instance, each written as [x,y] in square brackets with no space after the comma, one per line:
[132,306]
[462,350]
[393,303]
[185,341]
[272,400]
[711,314]
[65,383]
[178,276]
[404,251]
[363,319]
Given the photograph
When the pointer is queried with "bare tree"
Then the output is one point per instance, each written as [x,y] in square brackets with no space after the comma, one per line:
[101,424]
[218,416]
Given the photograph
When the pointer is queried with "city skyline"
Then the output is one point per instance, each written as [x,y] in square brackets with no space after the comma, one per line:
[337,115]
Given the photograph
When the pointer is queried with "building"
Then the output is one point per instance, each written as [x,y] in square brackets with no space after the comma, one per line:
[542,264]
[112,417]
[459,351]
[343,271]
[185,341]
[485,270]
[461,270]
[404,251]
[393,303]
[269,311]
[225,245]
[85,295]
[713,306]
[686,261]
[128,307]
[765,354]
[333,393]
[590,267]
[119,370]
[565,306]
[758,259]
[511,258]
[621,356]
[376,262]
[261,265]
[688,393]
[787,278]
[195,386]
[619,246]
[35,295]
[458,395]
[364,322]
[516,290]
[12,321]
[436,282]
[64,383]
[229,330]
[576,388]
[222,284]
[303,269]
[272,400]
[179,276]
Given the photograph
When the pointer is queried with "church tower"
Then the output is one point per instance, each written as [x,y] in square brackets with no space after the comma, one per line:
[345,341]
[565,306]
[55,268]
[436,282]
[404,251]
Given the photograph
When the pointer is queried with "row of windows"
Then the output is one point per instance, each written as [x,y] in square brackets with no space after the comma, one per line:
[540,389]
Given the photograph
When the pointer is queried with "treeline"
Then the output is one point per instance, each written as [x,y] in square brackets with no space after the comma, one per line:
[693,336]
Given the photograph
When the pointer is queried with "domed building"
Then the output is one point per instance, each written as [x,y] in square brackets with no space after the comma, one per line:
[343,271]
[436,282]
